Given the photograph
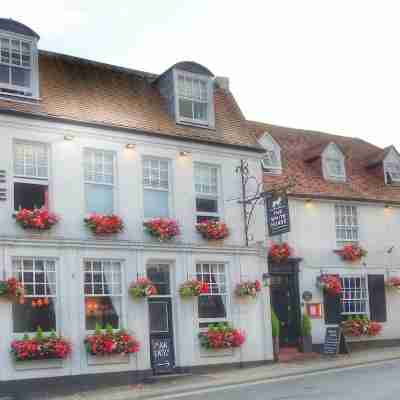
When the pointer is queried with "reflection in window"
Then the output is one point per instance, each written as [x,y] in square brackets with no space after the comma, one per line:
[39,279]
[103,293]
[159,275]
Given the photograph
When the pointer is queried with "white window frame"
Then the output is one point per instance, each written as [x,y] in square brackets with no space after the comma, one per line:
[122,321]
[214,196]
[55,297]
[226,293]
[112,185]
[333,153]
[158,188]
[354,226]
[22,91]
[32,179]
[354,293]
[392,169]
[209,123]
[271,147]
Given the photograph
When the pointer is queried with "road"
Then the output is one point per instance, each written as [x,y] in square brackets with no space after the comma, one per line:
[381,381]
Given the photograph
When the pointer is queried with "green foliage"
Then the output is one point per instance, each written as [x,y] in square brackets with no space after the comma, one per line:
[39,334]
[109,329]
[306,325]
[25,337]
[97,330]
[53,334]
[275,325]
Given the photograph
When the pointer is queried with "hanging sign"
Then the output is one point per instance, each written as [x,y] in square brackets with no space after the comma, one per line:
[278,220]
[161,354]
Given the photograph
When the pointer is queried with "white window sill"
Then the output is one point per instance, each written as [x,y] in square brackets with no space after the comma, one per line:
[272,171]
[108,359]
[196,124]
[12,96]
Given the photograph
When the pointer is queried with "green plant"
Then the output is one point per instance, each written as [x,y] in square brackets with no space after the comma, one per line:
[306,325]
[275,325]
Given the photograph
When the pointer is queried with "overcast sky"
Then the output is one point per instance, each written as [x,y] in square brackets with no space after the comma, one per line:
[317,64]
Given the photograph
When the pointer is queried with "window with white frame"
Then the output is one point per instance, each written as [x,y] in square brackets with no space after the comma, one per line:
[31,175]
[271,161]
[99,181]
[354,296]
[194,98]
[206,183]
[39,278]
[392,172]
[103,293]
[346,219]
[16,65]
[156,187]
[212,306]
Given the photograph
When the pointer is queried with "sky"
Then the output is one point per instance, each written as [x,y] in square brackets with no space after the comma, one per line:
[323,65]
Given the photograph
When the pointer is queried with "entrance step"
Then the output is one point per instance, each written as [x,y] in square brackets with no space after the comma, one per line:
[292,354]
[166,377]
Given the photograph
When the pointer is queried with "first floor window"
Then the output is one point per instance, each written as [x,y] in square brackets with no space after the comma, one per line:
[346,220]
[354,296]
[38,275]
[212,306]
[103,293]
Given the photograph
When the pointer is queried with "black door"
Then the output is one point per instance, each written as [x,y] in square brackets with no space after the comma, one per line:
[285,303]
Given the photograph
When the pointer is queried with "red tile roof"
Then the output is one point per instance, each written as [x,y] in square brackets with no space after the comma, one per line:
[84,91]
[364,184]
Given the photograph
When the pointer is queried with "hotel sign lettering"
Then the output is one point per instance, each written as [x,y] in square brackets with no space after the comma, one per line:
[278,219]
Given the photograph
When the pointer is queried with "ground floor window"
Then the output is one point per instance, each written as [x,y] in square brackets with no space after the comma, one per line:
[212,307]
[354,296]
[103,293]
[38,275]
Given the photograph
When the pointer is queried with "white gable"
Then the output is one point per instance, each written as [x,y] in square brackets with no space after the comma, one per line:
[272,162]
[333,163]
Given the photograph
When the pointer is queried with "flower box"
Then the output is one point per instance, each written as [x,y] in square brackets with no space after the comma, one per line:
[109,343]
[39,219]
[351,253]
[104,224]
[331,284]
[248,288]
[142,288]
[393,283]
[360,326]
[40,347]
[193,288]
[212,230]
[12,290]
[279,253]
[221,336]
[162,228]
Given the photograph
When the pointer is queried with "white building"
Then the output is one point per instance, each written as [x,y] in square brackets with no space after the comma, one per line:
[80,137]
[345,192]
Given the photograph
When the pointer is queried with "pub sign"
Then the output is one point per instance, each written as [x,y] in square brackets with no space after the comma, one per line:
[278,219]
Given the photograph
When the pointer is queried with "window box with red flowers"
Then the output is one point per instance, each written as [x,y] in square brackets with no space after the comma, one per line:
[40,347]
[221,336]
[360,326]
[39,219]
[12,290]
[393,283]
[193,288]
[104,224]
[330,284]
[351,253]
[248,289]
[142,288]
[163,229]
[279,252]
[212,230]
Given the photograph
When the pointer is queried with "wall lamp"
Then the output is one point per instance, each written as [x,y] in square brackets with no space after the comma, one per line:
[69,137]
[388,206]
[130,145]
[184,153]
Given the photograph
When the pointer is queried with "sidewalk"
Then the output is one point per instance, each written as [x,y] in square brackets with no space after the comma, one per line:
[180,384]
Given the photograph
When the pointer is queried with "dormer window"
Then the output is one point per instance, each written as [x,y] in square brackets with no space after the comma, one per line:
[271,161]
[333,164]
[392,172]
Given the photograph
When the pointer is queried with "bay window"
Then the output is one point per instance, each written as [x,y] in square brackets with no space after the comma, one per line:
[31,175]
[38,276]
[99,166]
[156,187]
[103,293]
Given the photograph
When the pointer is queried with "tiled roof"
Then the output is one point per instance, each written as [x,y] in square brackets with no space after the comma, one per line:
[362,183]
[84,91]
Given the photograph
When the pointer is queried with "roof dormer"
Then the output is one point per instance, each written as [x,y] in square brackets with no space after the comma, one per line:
[19,75]
[333,163]
[271,162]
[391,166]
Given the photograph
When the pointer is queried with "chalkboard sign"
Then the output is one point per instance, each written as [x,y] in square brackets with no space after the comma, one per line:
[335,342]
[277,214]
[162,354]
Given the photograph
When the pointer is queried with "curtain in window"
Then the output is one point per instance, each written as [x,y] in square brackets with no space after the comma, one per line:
[99,199]
[155,203]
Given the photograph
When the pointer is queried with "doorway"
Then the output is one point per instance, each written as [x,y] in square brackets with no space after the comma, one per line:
[162,353]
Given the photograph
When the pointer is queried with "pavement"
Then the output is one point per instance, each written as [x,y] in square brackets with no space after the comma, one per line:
[223,378]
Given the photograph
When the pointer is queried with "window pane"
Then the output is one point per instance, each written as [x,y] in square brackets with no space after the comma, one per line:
[159,275]
[4,74]
[156,203]
[185,108]
[206,205]
[99,199]
[27,318]
[20,76]
[212,306]
[102,310]
[200,111]
[30,196]
[158,312]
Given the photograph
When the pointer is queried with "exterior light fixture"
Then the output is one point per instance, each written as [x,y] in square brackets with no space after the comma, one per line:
[184,153]
[69,137]
[388,206]
[130,145]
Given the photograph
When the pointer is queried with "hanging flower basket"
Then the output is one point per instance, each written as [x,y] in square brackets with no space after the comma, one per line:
[162,228]
[279,252]
[40,347]
[221,336]
[193,288]
[108,342]
[331,284]
[40,302]
[351,253]
[213,230]
[12,290]
[104,224]
[360,326]
[393,283]
[248,288]
[39,219]
[141,288]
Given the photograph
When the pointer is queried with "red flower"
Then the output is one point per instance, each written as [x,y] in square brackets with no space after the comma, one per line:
[331,284]
[193,287]
[351,252]
[12,289]
[104,224]
[39,218]
[221,336]
[142,287]
[162,228]
[279,252]
[248,288]
[213,230]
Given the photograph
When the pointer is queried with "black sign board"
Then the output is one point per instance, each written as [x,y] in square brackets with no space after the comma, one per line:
[335,342]
[162,354]
[277,214]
